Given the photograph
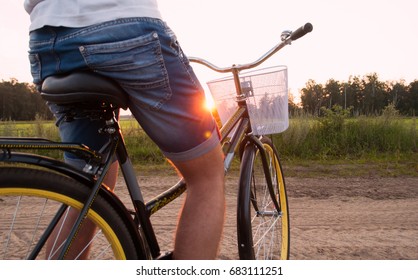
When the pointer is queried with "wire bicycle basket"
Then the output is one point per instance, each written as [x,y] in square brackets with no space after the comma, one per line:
[266,94]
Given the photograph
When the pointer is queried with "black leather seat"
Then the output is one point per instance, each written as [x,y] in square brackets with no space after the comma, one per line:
[83,87]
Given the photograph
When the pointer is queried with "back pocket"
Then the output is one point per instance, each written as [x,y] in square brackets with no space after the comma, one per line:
[136,64]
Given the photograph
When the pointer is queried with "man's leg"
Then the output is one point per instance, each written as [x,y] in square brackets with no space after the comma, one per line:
[87,230]
[201,220]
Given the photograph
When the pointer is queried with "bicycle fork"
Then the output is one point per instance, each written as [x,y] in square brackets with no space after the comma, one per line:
[268,177]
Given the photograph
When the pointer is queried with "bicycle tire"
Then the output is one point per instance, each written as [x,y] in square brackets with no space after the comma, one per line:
[263,230]
[29,198]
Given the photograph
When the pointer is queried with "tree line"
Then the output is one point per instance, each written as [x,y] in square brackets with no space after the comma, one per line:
[21,102]
[363,96]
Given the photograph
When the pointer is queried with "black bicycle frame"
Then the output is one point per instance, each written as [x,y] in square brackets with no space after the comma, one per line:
[116,147]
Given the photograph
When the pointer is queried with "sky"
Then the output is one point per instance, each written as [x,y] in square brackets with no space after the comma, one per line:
[350,38]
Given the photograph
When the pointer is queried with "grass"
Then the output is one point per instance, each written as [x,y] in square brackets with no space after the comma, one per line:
[336,136]
[382,167]
[333,145]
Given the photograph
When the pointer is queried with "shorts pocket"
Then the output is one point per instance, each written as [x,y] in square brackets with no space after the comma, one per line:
[136,64]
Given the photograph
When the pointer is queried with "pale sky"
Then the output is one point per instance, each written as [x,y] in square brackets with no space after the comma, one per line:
[354,37]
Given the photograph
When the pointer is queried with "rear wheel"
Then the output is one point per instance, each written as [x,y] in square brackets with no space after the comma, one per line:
[263,216]
[29,200]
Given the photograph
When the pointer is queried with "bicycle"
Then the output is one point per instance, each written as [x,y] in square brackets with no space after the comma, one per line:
[36,191]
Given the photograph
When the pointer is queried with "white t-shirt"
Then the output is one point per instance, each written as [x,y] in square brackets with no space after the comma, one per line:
[80,13]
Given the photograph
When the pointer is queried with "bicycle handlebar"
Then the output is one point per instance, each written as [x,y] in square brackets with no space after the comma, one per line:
[290,36]
[301,31]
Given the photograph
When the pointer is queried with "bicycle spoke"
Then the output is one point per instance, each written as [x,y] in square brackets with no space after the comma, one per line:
[88,245]
[266,230]
[6,244]
[54,252]
[36,228]
[105,251]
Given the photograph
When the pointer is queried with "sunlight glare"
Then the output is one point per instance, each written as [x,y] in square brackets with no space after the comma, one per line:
[210,103]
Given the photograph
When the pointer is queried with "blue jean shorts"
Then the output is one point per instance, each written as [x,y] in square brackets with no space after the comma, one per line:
[145,58]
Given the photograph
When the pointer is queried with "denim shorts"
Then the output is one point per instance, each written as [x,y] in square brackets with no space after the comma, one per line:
[145,58]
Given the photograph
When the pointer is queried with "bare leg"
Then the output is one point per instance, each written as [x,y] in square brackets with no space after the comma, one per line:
[201,220]
[86,232]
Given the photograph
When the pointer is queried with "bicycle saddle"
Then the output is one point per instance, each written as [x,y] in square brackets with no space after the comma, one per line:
[83,87]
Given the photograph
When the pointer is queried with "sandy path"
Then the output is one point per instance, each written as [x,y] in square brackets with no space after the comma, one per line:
[344,218]
[330,218]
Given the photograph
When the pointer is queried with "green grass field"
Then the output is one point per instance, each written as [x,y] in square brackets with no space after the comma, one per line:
[361,145]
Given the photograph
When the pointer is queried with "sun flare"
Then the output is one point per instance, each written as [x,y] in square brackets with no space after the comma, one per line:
[210,103]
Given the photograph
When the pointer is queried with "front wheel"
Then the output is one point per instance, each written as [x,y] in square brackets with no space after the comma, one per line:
[262,215]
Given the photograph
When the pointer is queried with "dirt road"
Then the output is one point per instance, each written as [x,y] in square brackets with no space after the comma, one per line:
[330,218]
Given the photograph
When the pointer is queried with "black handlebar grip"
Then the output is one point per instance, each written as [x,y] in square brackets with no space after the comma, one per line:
[301,31]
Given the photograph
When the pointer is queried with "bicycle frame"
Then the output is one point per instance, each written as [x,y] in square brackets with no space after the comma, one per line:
[97,171]
[238,126]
